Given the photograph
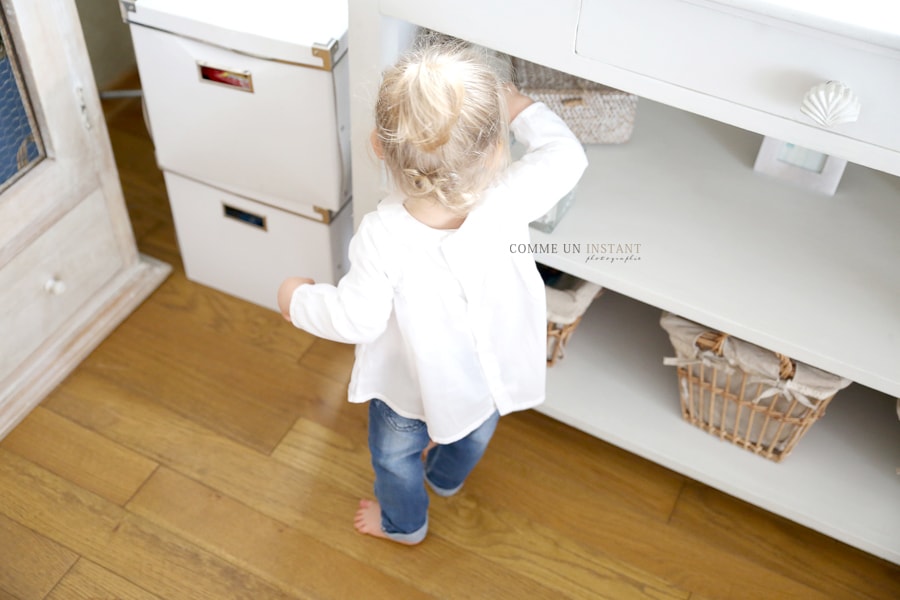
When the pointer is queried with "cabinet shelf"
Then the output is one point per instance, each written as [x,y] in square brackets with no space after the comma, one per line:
[716,242]
[840,480]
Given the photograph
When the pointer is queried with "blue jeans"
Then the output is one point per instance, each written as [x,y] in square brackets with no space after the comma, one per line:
[396,444]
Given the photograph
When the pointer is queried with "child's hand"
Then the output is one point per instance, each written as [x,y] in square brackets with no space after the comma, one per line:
[516,101]
[286,291]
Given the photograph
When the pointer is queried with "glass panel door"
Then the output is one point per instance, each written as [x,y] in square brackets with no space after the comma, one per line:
[20,143]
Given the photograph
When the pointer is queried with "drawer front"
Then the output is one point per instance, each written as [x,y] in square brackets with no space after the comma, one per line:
[260,128]
[746,59]
[246,249]
[44,286]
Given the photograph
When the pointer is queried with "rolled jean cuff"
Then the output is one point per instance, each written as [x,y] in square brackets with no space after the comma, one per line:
[443,492]
[409,538]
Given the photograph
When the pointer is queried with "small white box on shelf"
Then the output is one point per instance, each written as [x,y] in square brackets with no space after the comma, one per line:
[800,166]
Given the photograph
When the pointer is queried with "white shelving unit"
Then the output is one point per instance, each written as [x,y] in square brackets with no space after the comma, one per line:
[840,480]
[695,246]
[811,276]
[739,251]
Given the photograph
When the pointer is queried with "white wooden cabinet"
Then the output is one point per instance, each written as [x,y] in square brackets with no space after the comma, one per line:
[811,276]
[69,267]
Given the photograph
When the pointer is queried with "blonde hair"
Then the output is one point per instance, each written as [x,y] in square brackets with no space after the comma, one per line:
[441,121]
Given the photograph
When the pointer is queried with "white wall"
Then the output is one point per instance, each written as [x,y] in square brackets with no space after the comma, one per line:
[108,41]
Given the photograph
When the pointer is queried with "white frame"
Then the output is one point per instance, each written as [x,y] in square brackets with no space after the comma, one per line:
[824,180]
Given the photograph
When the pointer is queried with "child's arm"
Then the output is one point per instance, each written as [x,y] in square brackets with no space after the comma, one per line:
[554,158]
[516,101]
[357,309]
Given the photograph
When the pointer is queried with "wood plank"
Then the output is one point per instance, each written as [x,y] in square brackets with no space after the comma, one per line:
[30,564]
[161,242]
[142,182]
[204,377]
[635,532]
[539,554]
[118,112]
[188,306]
[126,544]
[329,358]
[83,457]
[814,559]
[328,453]
[592,473]
[308,503]
[205,388]
[89,581]
[278,553]
[201,373]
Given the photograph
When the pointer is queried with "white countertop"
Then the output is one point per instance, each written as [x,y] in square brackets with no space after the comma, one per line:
[874,21]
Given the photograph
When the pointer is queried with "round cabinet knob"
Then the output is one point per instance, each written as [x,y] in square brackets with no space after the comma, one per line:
[55,286]
[831,103]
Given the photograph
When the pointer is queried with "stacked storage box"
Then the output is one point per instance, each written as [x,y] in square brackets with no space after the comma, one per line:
[248,107]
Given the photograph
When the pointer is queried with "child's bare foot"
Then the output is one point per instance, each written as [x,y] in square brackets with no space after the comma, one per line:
[368,520]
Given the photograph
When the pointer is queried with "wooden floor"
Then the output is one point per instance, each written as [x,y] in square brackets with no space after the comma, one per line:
[206,451]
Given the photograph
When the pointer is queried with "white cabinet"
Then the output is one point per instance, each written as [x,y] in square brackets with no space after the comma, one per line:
[69,267]
[811,276]
[747,59]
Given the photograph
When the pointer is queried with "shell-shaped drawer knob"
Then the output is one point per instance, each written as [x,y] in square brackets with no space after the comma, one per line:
[55,286]
[831,103]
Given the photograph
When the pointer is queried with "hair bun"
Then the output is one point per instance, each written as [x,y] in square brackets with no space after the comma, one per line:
[441,120]
[420,182]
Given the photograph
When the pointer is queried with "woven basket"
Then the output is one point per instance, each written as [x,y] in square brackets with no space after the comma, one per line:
[760,410]
[568,298]
[595,113]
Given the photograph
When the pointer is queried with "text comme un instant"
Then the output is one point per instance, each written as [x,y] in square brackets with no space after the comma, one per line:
[567,248]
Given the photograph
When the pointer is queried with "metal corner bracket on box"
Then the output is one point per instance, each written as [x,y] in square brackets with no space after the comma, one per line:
[326,52]
[127,6]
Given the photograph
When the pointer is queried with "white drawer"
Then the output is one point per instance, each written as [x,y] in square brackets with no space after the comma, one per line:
[46,284]
[259,128]
[246,248]
[744,58]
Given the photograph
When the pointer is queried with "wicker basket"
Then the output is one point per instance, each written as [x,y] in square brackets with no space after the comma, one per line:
[568,297]
[596,114]
[759,400]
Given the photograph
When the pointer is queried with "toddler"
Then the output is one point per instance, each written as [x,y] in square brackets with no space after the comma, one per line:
[449,320]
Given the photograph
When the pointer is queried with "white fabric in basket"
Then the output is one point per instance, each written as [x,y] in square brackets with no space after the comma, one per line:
[570,299]
[808,383]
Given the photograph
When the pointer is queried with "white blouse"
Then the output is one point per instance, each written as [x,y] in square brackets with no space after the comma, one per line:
[450,325]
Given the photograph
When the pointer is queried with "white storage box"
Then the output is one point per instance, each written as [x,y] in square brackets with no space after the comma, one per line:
[250,97]
[246,249]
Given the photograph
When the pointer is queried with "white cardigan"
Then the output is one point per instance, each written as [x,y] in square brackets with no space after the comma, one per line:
[450,325]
